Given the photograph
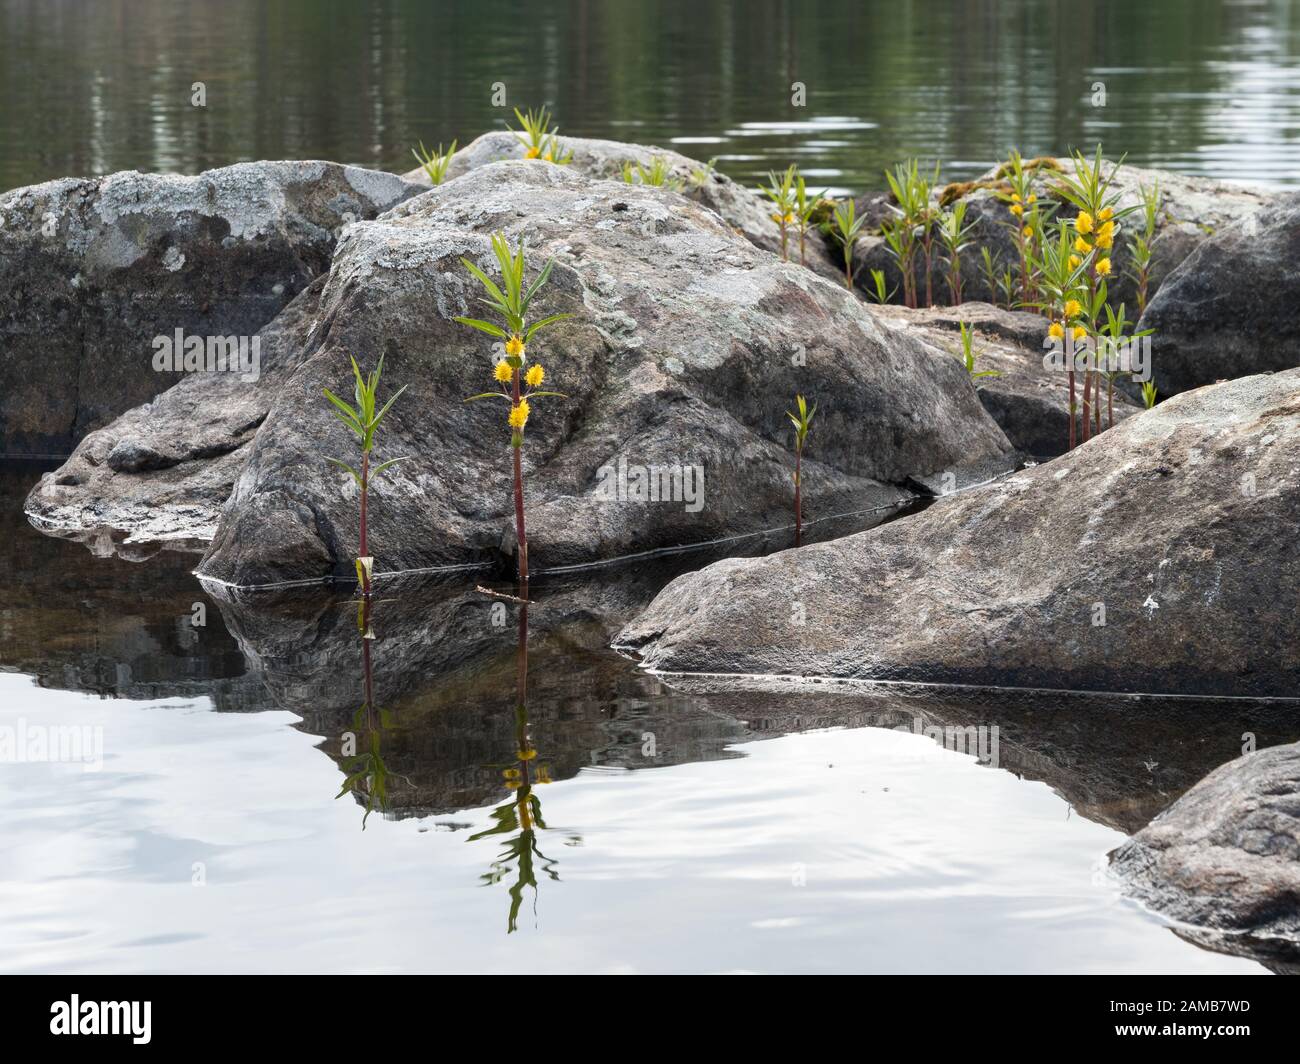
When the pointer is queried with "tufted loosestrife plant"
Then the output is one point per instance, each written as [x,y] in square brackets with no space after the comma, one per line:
[511,301]
[364,422]
[802,423]
[845,228]
[434,163]
[780,190]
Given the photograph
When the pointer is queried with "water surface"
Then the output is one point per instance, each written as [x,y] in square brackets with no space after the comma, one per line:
[660,830]
[1199,86]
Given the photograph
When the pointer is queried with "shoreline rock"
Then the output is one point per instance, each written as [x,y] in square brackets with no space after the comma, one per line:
[687,346]
[1225,857]
[92,269]
[1226,311]
[1158,558]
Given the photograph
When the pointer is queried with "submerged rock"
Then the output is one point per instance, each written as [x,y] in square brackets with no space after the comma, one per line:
[686,347]
[1158,557]
[1227,310]
[745,209]
[92,270]
[1192,209]
[1225,858]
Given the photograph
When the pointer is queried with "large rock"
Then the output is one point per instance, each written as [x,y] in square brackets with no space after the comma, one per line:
[686,347]
[91,270]
[1192,209]
[1227,310]
[160,474]
[744,209]
[1158,557]
[1030,402]
[1225,857]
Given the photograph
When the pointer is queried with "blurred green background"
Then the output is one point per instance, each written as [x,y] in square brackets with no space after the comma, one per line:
[1202,86]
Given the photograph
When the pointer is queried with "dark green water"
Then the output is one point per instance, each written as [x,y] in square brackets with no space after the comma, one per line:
[1201,86]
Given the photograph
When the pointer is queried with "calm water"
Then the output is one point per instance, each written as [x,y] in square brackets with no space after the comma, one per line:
[539,803]
[604,821]
[1203,86]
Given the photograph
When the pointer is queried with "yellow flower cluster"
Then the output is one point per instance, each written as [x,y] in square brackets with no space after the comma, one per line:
[503,372]
[1018,205]
[519,415]
[515,347]
[535,375]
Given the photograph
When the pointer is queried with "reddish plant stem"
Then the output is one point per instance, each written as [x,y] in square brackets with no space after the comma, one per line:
[521,534]
[1070,374]
[798,495]
[1087,409]
[365,539]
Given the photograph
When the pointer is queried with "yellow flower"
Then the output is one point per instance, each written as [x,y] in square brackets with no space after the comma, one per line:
[1074,262]
[1032,198]
[1104,214]
[1079,333]
[1103,267]
[519,414]
[1055,331]
[1015,197]
[1016,209]
[1083,223]
[1105,234]
[525,755]
[1104,242]
[1072,308]
[1082,246]
[503,372]
[532,153]
[535,375]
[1028,231]
[547,158]
[514,347]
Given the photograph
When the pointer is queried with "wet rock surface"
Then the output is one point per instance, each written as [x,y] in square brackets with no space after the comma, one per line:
[1158,557]
[1227,311]
[1225,858]
[91,270]
[161,473]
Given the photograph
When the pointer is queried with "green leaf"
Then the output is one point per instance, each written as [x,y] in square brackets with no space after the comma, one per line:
[349,417]
[483,326]
[344,466]
[391,462]
[545,321]
[380,416]
[541,280]
[484,280]
[490,395]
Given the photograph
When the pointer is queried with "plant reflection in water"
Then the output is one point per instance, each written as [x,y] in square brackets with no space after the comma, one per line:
[517,822]
[367,776]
